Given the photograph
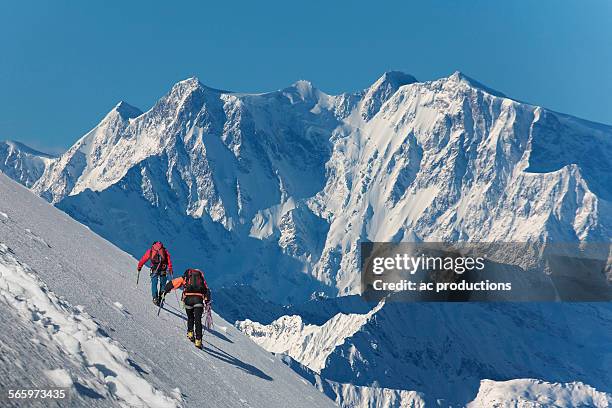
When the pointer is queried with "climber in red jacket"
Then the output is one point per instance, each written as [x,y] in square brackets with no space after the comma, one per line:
[161,264]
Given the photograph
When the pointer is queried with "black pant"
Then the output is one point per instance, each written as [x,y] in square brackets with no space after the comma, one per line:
[194,308]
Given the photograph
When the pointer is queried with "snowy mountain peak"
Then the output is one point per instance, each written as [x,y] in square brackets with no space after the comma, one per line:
[302,90]
[395,79]
[461,78]
[185,87]
[126,110]
[430,348]
[382,90]
[304,87]
[191,82]
[276,191]
[307,175]
[86,163]
[184,99]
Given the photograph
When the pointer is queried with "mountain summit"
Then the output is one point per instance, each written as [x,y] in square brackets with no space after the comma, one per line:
[382,90]
[294,179]
[127,111]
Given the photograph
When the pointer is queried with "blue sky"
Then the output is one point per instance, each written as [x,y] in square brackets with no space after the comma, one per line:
[64,64]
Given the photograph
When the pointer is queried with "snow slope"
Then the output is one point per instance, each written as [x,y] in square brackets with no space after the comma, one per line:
[85,358]
[73,316]
[22,163]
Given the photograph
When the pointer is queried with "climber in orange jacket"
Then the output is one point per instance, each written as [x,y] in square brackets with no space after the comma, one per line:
[195,295]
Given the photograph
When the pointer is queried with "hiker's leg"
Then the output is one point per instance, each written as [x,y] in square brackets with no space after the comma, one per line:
[197,311]
[190,319]
[154,280]
[162,282]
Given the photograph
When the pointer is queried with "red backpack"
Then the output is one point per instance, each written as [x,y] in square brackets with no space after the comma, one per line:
[195,282]
[159,258]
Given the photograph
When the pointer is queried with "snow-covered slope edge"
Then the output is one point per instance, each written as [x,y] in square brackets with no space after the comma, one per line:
[75,338]
[80,268]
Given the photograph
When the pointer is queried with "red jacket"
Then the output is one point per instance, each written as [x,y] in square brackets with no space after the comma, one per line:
[166,262]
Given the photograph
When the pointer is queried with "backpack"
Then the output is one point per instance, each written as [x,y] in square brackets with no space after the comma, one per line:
[195,282]
[158,255]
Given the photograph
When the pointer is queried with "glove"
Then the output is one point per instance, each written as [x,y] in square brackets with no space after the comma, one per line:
[138,269]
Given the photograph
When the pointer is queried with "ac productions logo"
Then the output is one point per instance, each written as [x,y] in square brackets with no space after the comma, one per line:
[485,272]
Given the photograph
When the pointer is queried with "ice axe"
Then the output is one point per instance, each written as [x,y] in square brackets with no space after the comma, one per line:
[175,295]
[161,303]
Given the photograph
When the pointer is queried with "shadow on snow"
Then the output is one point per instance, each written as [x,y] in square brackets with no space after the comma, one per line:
[228,358]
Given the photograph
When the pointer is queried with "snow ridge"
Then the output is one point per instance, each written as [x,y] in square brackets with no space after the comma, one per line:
[23,163]
[307,343]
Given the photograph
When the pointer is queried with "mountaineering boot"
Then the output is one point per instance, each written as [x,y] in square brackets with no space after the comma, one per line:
[198,343]
[156,301]
[190,336]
